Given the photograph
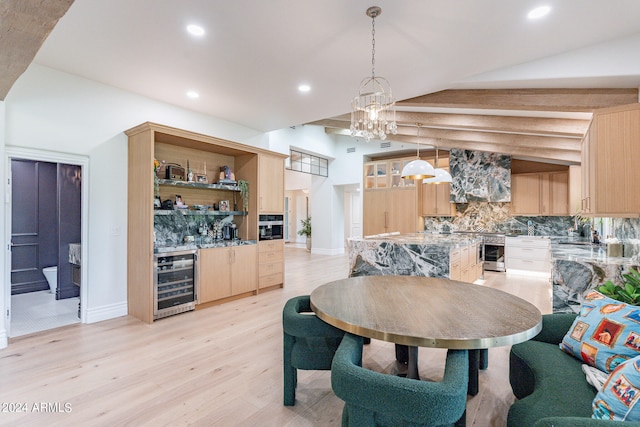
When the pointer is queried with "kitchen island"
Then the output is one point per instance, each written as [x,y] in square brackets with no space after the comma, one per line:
[450,256]
[579,267]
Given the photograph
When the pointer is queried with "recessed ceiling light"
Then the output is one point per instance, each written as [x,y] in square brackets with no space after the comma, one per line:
[195,30]
[539,12]
[304,88]
[193,94]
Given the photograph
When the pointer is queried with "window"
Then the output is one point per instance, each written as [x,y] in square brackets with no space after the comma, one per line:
[308,163]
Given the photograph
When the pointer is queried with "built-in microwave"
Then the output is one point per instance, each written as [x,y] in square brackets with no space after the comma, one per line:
[270,227]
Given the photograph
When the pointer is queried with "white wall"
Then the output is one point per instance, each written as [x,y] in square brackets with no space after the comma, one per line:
[5,293]
[50,110]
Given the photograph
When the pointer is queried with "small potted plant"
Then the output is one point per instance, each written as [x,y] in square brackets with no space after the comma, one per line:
[306,231]
[629,292]
[243,186]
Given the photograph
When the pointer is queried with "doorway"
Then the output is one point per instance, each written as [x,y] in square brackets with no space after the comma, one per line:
[45,220]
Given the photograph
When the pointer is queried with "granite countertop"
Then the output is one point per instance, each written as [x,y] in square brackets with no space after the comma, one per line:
[426,239]
[192,246]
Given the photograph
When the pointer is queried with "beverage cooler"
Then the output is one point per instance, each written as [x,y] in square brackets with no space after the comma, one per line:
[175,283]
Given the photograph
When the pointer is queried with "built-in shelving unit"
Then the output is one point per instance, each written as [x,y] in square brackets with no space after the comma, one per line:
[206,157]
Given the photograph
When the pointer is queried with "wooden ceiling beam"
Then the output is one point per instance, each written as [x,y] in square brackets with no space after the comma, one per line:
[514,124]
[26,25]
[571,100]
[431,136]
[552,155]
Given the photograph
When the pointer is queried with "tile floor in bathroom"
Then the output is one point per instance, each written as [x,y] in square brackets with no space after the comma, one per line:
[39,311]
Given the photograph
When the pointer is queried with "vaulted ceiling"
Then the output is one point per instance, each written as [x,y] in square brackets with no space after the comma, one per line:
[475,75]
[530,124]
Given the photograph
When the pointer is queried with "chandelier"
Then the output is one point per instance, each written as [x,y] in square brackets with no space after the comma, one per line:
[372,111]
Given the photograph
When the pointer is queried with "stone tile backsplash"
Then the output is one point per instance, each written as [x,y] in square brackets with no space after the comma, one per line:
[495,217]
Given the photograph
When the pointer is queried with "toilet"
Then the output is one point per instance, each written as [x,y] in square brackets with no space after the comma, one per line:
[51,274]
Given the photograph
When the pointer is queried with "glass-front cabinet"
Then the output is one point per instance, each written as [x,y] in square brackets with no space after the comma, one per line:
[381,174]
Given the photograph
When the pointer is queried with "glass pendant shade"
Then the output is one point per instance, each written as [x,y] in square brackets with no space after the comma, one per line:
[418,169]
[441,175]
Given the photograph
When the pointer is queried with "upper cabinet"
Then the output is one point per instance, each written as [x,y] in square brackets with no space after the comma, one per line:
[545,193]
[610,171]
[271,184]
[384,174]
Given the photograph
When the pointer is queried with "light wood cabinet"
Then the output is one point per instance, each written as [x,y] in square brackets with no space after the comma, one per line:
[270,184]
[227,271]
[545,193]
[390,203]
[150,141]
[271,263]
[435,200]
[610,153]
[463,263]
[388,211]
[384,174]
[214,273]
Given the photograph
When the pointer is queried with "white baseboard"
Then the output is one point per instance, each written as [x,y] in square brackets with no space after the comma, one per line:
[4,341]
[106,312]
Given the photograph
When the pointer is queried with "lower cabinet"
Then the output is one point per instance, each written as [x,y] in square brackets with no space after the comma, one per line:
[270,263]
[464,265]
[528,254]
[227,271]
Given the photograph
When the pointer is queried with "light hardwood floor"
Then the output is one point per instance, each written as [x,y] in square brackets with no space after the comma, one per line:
[220,366]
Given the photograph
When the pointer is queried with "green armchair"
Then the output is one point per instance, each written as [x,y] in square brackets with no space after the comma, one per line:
[309,343]
[376,399]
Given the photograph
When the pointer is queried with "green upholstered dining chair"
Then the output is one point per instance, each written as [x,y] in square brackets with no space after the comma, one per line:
[309,343]
[376,399]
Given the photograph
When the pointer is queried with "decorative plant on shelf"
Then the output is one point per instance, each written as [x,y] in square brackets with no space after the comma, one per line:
[306,230]
[243,185]
[628,293]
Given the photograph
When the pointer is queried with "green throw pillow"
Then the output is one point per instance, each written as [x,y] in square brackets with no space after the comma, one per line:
[605,334]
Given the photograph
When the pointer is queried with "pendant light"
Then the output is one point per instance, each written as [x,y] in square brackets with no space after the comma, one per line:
[441,174]
[418,169]
[372,111]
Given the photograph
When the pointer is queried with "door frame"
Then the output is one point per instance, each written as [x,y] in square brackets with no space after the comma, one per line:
[12,152]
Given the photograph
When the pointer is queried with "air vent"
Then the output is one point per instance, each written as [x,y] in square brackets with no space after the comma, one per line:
[385,144]
[351,150]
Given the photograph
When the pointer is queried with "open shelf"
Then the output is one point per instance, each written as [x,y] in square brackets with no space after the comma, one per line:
[189,212]
[173,183]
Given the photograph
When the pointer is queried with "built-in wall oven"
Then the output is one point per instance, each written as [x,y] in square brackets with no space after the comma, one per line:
[270,227]
[493,252]
[175,282]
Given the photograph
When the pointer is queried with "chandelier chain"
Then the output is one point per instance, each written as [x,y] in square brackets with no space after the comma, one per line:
[373,46]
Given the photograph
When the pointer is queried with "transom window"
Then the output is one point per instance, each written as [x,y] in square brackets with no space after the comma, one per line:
[308,163]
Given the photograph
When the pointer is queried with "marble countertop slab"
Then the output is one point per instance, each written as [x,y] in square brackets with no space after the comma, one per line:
[575,249]
[192,246]
[426,239]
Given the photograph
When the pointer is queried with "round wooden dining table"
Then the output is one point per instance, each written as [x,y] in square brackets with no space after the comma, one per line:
[427,312]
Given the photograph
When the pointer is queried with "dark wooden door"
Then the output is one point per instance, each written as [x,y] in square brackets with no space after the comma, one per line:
[34,228]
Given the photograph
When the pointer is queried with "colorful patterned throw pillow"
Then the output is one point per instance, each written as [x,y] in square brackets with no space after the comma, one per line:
[619,395]
[605,333]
